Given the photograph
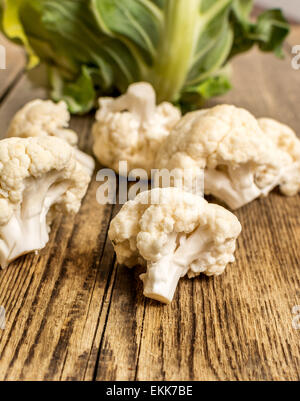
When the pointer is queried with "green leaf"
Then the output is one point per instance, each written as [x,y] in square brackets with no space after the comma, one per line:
[191,32]
[13,28]
[100,47]
[214,86]
[194,96]
[242,9]
[133,21]
[78,95]
[272,29]
[269,31]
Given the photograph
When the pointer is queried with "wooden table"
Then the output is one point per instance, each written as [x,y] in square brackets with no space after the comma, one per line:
[73,314]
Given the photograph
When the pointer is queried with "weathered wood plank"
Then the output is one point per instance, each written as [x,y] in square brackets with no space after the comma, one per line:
[54,300]
[25,90]
[294,37]
[237,326]
[73,315]
[120,341]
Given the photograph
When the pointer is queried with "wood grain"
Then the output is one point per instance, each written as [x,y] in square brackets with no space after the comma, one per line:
[73,314]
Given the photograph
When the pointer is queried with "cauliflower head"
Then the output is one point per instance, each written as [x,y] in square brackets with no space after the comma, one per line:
[131,128]
[38,177]
[173,233]
[240,160]
[43,118]
[40,118]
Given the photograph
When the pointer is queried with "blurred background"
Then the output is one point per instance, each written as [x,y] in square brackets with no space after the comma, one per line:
[291,8]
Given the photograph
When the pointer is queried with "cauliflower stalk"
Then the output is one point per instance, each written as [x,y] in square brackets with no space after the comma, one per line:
[132,128]
[242,158]
[38,177]
[173,233]
[40,118]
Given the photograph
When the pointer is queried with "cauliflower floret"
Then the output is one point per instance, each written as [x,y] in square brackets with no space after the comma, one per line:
[240,161]
[285,138]
[43,118]
[132,128]
[174,233]
[38,177]
[40,118]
